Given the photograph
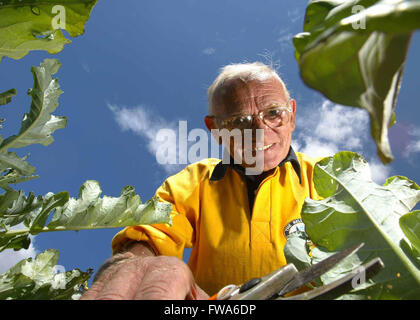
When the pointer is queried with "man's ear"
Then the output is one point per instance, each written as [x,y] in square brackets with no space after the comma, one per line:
[292,103]
[210,124]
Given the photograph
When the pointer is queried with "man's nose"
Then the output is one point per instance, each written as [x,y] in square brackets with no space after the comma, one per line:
[258,124]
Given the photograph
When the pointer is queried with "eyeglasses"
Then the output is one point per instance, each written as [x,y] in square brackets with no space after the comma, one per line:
[273,117]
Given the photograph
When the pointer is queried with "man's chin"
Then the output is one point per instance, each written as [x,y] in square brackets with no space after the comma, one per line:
[269,166]
[258,167]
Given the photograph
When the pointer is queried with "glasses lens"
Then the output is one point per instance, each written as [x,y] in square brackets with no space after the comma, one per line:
[242,122]
[276,117]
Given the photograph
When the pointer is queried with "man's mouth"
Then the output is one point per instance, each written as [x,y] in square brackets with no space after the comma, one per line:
[263,148]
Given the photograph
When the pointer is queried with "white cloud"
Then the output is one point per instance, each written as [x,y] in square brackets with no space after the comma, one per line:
[317,148]
[285,39]
[209,51]
[324,131]
[414,145]
[86,67]
[9,257]
[147,124]
[342,125]
[379,171]
[330,129]
[295,14]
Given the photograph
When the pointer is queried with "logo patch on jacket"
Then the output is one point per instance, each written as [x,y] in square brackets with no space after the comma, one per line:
[293,226]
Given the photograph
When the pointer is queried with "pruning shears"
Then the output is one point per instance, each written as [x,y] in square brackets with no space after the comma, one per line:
[279,283]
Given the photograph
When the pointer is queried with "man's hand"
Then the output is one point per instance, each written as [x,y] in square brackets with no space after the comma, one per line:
[140,275]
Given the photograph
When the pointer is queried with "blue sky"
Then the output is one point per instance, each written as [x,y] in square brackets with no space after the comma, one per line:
[145,65]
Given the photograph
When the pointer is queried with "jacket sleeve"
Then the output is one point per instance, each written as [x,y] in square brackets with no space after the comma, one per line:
[182,191]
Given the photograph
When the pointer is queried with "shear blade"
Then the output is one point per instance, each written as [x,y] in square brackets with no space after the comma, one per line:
[343,285]
[317,270]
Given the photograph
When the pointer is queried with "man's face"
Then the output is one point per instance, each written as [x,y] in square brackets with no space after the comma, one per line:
[240,98]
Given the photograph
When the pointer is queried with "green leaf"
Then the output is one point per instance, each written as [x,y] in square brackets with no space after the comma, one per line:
[37,279]
[89,211]
[358,64]
[38,125]
[11,160]
[296,250]
[410,225]
[50,202]
[6,96]
[15,207]
[13,177]
[27,25]
[14,241]
[355,210]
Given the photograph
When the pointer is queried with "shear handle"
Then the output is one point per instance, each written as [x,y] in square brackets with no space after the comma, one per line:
[269,285]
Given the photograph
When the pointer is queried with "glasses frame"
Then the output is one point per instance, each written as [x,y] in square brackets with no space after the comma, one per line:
[222,122]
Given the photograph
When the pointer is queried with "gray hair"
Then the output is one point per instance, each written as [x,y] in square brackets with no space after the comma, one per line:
[245,72]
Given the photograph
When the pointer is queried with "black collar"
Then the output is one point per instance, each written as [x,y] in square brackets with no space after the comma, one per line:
[220,169]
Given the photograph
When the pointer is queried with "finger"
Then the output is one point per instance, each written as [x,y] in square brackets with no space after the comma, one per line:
[192,294]
[201,294]
[166,279]
[98,285]
[92,292]
[104,273]
[123,284]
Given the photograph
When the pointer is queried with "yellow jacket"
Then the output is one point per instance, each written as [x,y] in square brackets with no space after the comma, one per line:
[211,214]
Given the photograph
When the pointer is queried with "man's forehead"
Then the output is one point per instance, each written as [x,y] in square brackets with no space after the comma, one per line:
[238,91]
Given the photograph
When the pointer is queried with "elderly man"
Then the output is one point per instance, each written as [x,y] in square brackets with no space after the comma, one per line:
[236,223]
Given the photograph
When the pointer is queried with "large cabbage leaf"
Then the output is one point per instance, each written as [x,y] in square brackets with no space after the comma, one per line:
[38,279]
[88,211]
[27,25]
[354,209]
[357,58]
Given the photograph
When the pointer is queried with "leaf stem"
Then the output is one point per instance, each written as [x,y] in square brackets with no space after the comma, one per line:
[59,228]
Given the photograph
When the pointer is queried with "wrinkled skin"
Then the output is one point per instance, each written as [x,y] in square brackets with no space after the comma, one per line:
[144,276]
